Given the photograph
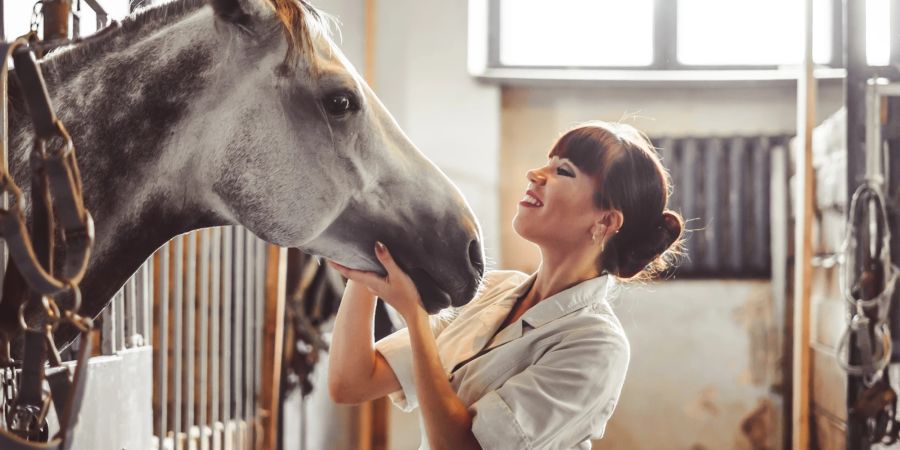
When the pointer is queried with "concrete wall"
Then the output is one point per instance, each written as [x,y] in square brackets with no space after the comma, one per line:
[704,355]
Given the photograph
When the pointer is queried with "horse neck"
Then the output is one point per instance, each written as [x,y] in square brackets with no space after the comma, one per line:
[120,108]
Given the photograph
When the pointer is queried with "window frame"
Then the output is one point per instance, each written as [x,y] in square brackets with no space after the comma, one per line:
[665,64]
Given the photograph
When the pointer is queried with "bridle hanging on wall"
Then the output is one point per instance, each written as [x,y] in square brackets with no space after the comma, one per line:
[56,194]
[867,279]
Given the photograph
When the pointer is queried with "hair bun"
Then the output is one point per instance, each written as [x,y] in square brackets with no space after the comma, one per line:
[660,238]
[672,225]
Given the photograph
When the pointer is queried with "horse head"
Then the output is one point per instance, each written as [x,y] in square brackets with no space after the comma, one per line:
[305,155]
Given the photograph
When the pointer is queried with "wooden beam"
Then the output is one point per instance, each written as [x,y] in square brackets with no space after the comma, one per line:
[374,415]
[369,42]
[273,344]
[806,92]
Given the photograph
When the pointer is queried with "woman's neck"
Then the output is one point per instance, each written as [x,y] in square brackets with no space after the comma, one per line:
[561,270]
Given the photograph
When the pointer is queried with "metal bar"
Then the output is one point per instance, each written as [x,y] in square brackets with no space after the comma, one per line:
[249,322]
[178,356]
[119,300]
[140,303]
[713,208]
[190,328]
[108,344]
[690,194]
[133,336]
[665,34]
[260,301]
[238,359]
[737,167]
[147,303]
[761,201]
[204,337]
[227,323]
[854,99]
[780,219]
[3,38]
[215,334]
[163,350]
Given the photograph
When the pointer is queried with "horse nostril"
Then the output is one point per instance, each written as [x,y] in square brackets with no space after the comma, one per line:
[475,257]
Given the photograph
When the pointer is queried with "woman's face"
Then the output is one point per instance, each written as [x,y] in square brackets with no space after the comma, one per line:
[557,208]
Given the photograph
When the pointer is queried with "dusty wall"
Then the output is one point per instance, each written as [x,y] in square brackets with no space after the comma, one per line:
[704,354]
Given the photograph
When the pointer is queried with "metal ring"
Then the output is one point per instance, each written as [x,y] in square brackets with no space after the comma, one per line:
[83,323]
[76,291]
[50,308]
[884,356]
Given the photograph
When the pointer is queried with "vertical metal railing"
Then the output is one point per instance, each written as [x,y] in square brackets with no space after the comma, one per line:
[201,302]
[211,306]
[721,186]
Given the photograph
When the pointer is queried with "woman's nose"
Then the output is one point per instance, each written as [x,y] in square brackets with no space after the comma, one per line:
[535,176]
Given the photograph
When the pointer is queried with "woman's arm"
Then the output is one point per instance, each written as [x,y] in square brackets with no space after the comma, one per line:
[448,422]
[356,372]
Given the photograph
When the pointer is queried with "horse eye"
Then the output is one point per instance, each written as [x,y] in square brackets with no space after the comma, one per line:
[340,104]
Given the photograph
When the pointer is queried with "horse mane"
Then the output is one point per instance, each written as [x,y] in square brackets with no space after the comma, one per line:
[298,19]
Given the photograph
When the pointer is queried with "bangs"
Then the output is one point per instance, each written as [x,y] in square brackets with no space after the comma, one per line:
[587,147]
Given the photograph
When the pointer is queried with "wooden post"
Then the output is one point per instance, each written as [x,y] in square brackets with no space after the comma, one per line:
[806,91]
[273,348]
[375,414]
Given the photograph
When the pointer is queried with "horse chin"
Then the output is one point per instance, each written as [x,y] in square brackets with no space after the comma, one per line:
[434,299]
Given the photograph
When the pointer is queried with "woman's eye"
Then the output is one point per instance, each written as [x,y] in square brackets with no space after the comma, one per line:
[565,172]
[340,104]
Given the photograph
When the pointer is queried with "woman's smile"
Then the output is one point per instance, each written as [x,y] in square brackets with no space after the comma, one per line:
[531,200]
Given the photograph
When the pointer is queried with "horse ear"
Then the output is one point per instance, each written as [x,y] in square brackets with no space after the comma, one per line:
[238,12]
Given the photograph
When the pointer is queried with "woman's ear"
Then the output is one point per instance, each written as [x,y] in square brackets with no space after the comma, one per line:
[609,222]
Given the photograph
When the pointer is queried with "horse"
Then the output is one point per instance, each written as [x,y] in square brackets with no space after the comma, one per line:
[191,114]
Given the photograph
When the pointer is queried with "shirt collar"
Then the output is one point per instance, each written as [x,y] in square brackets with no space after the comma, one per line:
[587,292]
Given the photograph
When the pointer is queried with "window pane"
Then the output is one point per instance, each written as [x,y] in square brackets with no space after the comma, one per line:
[16,18]
[576,32]
[878,32]
[744,32]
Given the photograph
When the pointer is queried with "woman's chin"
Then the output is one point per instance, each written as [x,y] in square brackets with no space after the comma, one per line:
[522,230]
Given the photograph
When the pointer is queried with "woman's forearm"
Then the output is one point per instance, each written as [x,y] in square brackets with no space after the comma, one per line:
[352,353]
[447,420]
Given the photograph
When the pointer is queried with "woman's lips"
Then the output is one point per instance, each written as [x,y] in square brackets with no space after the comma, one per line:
[531,200]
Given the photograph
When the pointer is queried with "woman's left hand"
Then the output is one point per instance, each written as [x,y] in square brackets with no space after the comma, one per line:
[397,288]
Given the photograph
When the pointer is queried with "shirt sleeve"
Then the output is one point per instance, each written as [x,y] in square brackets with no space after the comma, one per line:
[566,397]
[397,351]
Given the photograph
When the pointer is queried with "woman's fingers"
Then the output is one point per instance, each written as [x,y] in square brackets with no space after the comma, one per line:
[384,255]
[370,279]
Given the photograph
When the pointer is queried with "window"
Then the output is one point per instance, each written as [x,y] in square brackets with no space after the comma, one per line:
[678,35]
[737,32]
[541,33]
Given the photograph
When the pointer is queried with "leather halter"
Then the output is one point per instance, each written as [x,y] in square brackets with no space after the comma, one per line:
[56,194]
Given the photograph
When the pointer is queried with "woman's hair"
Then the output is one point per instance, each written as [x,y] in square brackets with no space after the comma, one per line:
[629,177]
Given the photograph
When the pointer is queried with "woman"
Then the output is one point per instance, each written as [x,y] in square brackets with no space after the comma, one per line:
[532,361]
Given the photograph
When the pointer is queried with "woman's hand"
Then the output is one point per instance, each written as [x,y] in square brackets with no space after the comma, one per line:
[397,288]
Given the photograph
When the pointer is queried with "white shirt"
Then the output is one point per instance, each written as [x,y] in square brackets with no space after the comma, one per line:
[550,380]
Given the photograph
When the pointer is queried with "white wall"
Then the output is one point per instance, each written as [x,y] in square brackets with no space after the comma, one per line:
[421,77]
